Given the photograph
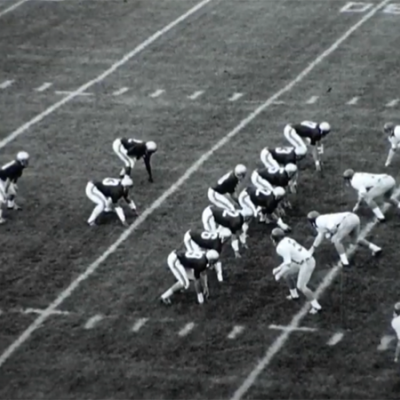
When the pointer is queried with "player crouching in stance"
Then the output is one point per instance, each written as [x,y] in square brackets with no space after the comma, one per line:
[296,261]
[215,219]
[370,187]
[263,204]
[196,242]
[131,150]
[106,194]
[394,139]
[280,156]
[336,227]
[313,133]
[396,327]
[9,175]
[190,266]
[223,194]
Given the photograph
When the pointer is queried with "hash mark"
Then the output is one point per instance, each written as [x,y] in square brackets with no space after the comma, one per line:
[157,93]
[65,92]
[235,332]
[335,339]
[312,100]
[91,322]
[278,102]
[196,95]
[120,91]
[289,328]
[139,324]
[353,101]
[43,87]
[186,329]
[235,96]
[393,103]
[6,84]
[39,311]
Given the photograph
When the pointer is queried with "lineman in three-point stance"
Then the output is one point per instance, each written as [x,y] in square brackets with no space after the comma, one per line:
[296,260]
[310,131]
[214,219]
[394,139]
[371,187]
[223,194]
[190,266]
[263,204]
[280,156]
[106,194]
[130,150]
[202,241]
[9,175]
[336,227]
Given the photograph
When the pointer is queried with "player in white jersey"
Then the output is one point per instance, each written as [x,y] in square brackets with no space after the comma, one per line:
[394,139]
[370,187]
[396,328]
[297,260]
[336,227]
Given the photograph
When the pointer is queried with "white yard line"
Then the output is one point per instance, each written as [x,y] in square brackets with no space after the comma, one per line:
[66,293]
[28,125]
[13,7]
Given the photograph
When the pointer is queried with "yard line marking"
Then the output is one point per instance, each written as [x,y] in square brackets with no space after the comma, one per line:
[312,100]
[120,91]
[157,93]
[93,321]
[235,332]
[68,291]
[196,95]
[273,350]
[353,101]
[335,339]
[292,328]
[236,96]
[6,84]
[65,92]
[13,7]
[141,47]
[393,103]
[186,329]
[39,311]
[385,342]
[139,324]
[278,102]
[43,87]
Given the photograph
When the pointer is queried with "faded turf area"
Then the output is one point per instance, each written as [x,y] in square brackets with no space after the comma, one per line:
[186,91]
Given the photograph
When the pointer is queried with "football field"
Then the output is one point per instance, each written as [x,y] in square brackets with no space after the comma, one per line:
[212,82]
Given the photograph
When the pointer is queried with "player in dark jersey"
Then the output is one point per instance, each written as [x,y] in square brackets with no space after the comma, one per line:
[279,156]
[190,266]
[9,175]
[223,194]
[311,132]
[215,218]
[106,195]
[130,150]
[264,204]
[196,241]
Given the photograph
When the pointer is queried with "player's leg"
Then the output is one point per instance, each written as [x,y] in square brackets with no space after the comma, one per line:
[303,279]
[344,230]
[370,200]
[3,200]
[355,235]
[208,220]
[98,198]
[190,244]
[390,191]
[120,151]
[259,182]
[220,200]
[11,195]
[392,150]
[267,159]
[218,270]
[291,280]
[295,140]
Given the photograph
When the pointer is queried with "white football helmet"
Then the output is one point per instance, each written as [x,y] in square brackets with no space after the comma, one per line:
[126,181]
[240,171]
[291,169]
[151,147]
[22,156]
[324,127]
[212,255]
[224,233]
[279,192]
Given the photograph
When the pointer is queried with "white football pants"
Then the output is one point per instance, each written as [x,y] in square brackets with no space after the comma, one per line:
[295,140]
[386,184]
[182,275]
[98,198]
[220,200]
[120,151]
[190,244]
[267,159]
[247,205]
[260,183]
[207,218]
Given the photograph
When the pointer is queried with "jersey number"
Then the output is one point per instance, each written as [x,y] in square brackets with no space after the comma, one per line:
[309,124]
[283,150]
[193,255]
[232,214]
[111,182]
[209,235]
[273,170]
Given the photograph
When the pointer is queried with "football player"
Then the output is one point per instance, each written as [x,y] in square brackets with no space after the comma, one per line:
[296,261]
[280,156]
[394,139]
[130,150]
[336,227]
[396,328]
[196,242]
[186,267]
[9,175]
[223,194]
[311,132]
[214,219]
[370,187]
[263,204]
[106,195]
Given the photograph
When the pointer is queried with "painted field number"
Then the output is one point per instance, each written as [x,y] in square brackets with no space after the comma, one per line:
[361,7]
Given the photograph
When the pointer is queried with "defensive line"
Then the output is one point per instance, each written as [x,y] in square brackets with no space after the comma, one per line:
[66,293]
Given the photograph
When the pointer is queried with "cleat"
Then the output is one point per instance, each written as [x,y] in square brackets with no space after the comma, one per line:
[314,311]
[167,301]
[292,298]
[92,223]
[377,252]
